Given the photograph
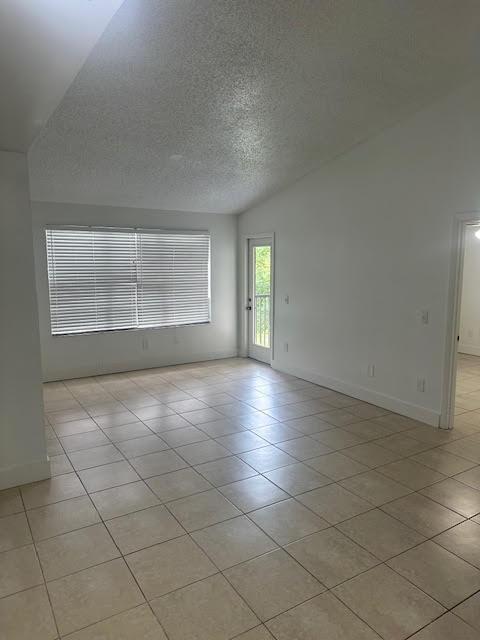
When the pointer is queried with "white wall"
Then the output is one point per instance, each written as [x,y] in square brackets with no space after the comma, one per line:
[23,455]
[470,306]
[81,355]
[365,243]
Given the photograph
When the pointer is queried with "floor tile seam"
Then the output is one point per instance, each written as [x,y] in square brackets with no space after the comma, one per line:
[458,513]
[413,546]
[122,556]
[445,613]
[92,624]
[54,617]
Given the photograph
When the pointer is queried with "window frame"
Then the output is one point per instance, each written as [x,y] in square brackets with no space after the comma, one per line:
[126,229]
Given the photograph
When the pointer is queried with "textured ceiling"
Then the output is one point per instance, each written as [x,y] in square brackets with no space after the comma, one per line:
[208,105]
[43,45]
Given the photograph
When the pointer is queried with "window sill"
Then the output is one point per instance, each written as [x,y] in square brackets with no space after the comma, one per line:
[129,330]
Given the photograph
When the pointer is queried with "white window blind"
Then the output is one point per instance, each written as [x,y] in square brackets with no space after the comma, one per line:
[104,279]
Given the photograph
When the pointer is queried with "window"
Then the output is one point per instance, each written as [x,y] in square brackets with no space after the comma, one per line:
[107,279]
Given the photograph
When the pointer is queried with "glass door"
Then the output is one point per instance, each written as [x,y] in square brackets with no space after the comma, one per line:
[259,303]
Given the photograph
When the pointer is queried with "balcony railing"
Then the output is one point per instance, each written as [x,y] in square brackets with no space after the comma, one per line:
[262,320]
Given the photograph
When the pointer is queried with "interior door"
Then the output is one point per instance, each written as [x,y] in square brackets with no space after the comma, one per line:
[259,304]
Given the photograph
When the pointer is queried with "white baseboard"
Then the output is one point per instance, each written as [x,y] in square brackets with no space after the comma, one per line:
[24,473]
[367,395]
[92,370]
[469,349]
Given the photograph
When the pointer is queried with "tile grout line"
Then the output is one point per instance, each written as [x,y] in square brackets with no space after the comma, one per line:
[124,562]
[41,569]
[306,462]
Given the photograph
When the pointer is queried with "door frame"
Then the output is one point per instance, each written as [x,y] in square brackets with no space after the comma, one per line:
[243,351]
[460,224]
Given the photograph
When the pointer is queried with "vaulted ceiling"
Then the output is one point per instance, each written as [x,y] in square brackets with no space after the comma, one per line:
[43,45]
[209,105]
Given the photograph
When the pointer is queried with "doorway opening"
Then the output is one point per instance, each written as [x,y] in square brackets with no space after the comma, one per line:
[463,366]
[467,391]
[260,299]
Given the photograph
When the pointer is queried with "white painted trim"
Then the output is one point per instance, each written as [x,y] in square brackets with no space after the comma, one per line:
[243,315]
[24,473]
[469,349]
[71,371]
[460,223]
[243,272]
[423,414]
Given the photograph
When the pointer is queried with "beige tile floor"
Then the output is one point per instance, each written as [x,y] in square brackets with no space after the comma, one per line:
[225,500]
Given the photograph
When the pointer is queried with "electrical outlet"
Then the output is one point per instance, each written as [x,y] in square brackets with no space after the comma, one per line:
[287,299]
[285,347]
[423,316]
[371,370]
[421,385]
